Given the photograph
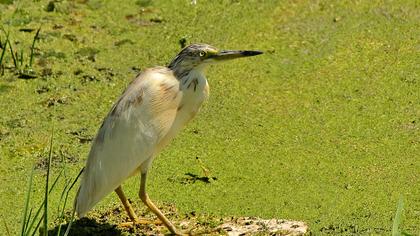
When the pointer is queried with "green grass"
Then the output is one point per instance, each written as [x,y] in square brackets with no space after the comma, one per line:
[31,219]
[324,127]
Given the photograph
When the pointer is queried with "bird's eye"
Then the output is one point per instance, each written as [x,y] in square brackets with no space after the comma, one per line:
[202,53]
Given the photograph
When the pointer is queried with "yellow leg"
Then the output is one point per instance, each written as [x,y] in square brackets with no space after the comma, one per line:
[146,200]
[127,206]
[129,209]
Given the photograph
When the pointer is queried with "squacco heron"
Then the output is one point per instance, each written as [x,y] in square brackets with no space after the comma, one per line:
[148,115]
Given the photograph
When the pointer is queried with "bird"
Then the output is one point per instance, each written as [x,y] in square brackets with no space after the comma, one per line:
[151,111]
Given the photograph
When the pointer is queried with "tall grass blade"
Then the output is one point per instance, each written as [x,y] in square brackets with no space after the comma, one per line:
[65,185]
[33,47]
[3,52]
[61,207]
[36,228]
[62,196]
[74,203]
[27,198]
[21,57]
[17,57]
[47,188]
[28,219]
[13,54]
[75,180]
[398,218]
[31,225]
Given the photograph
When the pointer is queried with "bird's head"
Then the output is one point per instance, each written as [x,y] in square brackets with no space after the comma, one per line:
[197,56]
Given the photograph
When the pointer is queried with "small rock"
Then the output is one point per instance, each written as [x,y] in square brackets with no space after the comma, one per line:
[252,226]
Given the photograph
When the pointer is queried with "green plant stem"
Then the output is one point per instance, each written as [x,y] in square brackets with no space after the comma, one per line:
[21,58]
[25,209]
[46,187]
[4,49]
[33,47]
[35,217]
[13,55]
[398,218]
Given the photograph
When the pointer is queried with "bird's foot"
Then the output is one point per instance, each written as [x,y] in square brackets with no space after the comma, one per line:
[140,222]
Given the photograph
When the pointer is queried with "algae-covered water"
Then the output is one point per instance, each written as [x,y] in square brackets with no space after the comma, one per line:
[323,127]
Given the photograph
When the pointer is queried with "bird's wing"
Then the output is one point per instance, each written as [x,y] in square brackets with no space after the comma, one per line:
[129,135]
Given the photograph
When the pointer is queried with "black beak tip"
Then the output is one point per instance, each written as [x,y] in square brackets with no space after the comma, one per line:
[251,53]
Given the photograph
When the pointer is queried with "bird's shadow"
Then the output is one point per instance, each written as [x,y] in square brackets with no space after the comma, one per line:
[87,227]
[192,178]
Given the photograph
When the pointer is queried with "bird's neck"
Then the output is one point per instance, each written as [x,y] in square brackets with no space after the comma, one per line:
[179,68]
[182,69]
[181,72]
[193,76]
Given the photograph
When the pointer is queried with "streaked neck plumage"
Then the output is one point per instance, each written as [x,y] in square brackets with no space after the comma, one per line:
[180,68]
[186,72]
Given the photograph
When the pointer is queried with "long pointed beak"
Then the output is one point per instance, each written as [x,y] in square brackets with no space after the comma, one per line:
[232,54]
